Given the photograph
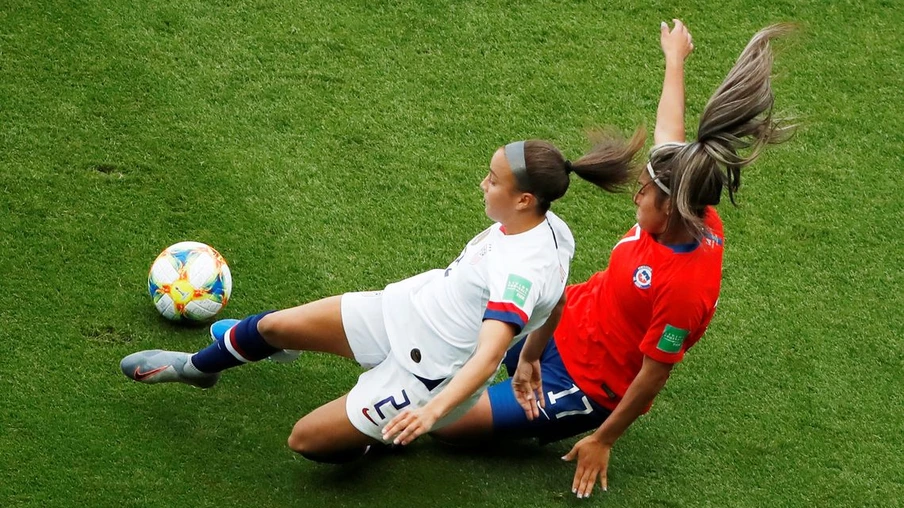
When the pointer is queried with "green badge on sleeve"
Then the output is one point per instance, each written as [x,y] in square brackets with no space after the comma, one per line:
[672,339]
[516,290]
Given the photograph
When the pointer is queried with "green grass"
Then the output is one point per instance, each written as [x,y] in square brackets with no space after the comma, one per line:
[337,147]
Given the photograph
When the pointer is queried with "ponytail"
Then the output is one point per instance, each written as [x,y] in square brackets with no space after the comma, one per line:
[607,165]
[738,117]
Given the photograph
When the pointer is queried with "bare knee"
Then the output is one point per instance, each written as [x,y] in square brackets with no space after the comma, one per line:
[268,325]
[274,329]
[305,443]
[301,439]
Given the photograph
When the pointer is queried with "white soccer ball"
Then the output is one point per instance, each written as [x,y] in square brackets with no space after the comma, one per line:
[189,281]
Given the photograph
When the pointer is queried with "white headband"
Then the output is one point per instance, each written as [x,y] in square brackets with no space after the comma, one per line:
[656,180]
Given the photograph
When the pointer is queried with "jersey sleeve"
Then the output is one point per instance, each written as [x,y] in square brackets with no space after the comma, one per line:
[680,317]
[513,296]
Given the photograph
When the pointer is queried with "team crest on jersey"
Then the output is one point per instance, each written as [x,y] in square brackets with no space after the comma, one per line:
[643,277]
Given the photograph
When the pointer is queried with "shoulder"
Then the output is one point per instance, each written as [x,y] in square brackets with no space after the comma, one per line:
[562,233]
[695,283]
[713,223]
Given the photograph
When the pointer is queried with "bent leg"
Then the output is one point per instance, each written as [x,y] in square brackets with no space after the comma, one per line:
[327,435]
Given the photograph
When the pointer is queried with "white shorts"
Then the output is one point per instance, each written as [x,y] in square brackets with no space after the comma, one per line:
[362,319]
[387,388]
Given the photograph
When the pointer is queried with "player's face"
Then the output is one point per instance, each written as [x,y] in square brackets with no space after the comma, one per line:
[652,217]
[500,194]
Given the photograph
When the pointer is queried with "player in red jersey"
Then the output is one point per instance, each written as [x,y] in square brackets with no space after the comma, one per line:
[622,331]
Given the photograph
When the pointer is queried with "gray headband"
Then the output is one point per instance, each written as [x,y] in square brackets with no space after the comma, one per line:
[514,152]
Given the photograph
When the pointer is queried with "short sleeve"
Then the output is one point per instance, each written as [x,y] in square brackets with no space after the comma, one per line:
[512,298]
[680,316]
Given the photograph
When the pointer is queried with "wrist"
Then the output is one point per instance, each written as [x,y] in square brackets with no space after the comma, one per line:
[527,357]
[603,437]
[433,410]
[674,61]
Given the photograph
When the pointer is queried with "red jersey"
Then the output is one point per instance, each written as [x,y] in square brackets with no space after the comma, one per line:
[652,300]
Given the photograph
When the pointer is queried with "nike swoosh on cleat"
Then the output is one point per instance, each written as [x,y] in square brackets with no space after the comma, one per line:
[140,376]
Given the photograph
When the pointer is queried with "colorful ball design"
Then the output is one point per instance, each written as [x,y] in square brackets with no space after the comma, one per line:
[189,281]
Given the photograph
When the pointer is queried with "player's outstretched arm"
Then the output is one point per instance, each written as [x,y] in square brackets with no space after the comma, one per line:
[677,44]
[493,340]
[592,452]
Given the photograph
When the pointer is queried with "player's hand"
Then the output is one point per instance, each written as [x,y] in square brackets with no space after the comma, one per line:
[593,461]
[677,43]
[528,388]
[409,425]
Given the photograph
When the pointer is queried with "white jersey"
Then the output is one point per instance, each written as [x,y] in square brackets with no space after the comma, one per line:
[433,319]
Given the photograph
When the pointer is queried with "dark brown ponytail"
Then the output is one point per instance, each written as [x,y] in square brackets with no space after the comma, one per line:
[607,165]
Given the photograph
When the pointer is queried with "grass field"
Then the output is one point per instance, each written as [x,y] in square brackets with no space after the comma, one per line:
[325,147]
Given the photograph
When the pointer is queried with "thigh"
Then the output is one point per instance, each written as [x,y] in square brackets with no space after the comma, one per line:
[568,410]
[314,326]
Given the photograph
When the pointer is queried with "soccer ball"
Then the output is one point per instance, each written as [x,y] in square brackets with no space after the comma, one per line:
[189,281]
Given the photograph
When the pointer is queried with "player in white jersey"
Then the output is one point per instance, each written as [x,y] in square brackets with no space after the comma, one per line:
[499,276]
[431,342]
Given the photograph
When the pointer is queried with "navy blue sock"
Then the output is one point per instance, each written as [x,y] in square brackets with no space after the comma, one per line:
[242,344]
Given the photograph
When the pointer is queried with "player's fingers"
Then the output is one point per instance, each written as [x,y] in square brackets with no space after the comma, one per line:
[396,425]
[540,398]
[663,28]
[525,405]
[390,429]
[404,437]
[604,481]
[678,24]
[576,482]
[411,433]
[587,482]
[530,405]
[568,457]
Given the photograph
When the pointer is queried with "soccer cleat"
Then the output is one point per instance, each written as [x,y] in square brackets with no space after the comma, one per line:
[219,329]
[158,366]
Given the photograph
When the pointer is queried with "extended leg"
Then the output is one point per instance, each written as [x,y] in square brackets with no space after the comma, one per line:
[315,326]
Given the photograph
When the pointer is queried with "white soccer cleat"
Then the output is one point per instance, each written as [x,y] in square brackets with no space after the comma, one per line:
[159,366]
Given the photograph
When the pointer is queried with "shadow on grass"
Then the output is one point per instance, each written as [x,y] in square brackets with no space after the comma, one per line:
[447,475]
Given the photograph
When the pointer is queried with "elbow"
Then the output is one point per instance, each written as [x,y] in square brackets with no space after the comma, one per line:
[493,360]
[490,361]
